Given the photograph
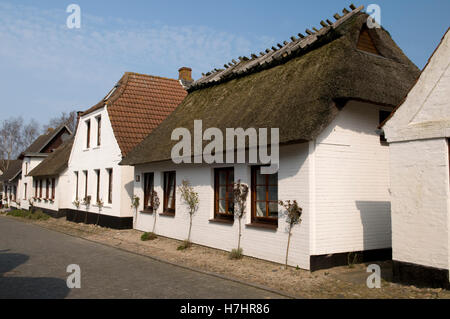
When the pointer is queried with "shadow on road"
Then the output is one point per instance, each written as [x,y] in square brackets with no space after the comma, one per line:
[12,287]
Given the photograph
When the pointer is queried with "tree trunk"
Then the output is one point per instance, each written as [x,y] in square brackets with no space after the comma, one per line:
[190,227]
[135,218]
[287,248]
[154,223]
[239,239]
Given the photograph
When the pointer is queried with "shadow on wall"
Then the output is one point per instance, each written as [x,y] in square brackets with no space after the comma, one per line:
[376,222]
[25,287]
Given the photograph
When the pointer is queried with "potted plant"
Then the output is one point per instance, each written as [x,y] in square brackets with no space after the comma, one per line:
[87,201]
[76,203]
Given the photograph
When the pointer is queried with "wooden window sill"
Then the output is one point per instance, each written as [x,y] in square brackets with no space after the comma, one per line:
[222,221]
[167,214]
[145,211]
[262,225]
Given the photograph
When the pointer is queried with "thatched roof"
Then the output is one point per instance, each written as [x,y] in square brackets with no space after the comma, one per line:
[14,168]
[299,91]
[55,163]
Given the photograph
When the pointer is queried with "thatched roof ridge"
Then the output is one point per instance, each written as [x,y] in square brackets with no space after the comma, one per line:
[55,163]
[300,94]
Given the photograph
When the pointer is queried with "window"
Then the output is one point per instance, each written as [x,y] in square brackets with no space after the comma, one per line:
[97,173]
[25,191]
[148,188]
[99,130]
[383,115]
[47,188]
[36,188]
[76,185]
[26,168]
[85,184]
[223,193]
[40,188]
[53,188]
[110,184]
[264,196]
[169,192]
[88,133]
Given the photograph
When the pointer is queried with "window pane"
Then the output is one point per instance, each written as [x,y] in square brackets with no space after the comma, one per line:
[260,192]
[222,192]
[273,193]
[231,177]
[273,209]
[260,179]
[260,209]
[273,179]
[222,177]
[222,206]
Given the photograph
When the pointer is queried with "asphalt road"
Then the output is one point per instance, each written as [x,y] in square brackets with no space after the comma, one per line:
[34,260]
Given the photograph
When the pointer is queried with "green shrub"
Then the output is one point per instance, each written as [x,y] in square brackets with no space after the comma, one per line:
[236,254]
[185,245]
[148,236]
[37,215]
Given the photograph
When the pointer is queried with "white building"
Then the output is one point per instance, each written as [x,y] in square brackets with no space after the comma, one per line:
[327,95]
[37,152]
[418,134]
[10,181]
[50,181]
[99,191]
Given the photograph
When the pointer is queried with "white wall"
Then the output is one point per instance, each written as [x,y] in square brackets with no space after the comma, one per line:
[32,163]
[352,201]
[418,133]
[261,243]
[420,202]
[103,157]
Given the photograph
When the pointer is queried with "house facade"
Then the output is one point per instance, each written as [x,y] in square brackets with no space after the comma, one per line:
[37,152]
[418,133]
[49,180]
[10,183]
[327,93]
[99,191]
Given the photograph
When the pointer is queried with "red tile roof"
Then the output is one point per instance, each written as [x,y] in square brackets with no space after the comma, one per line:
[138,105]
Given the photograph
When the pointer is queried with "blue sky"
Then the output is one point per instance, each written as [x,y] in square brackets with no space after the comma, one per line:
[46,68]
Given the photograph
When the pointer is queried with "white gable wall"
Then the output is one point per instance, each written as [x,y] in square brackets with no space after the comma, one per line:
[32,163]
[103,157]
[352,184]
[417,133]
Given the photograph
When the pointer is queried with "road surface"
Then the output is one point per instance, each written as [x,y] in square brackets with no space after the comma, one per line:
[34,260]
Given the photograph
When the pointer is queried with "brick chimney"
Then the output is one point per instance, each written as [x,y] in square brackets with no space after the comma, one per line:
[185,74]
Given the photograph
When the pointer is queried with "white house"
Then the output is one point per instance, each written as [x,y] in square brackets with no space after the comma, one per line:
[50,181]
[10,181]
[327,93]
[418,133]
[99,190]
[38,151]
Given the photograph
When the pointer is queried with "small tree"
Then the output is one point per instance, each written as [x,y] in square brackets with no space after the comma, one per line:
[240,192]
[293,213]
[190,198]
[135,204]
[100,206]
[155,205]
